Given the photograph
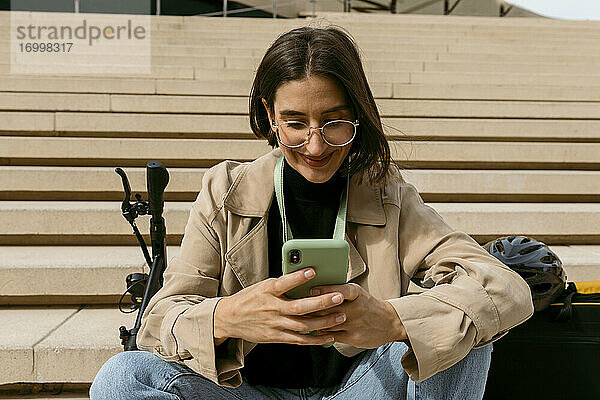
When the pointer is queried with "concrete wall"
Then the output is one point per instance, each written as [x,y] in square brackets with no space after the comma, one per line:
[290,11]
[488,8]
[465,7]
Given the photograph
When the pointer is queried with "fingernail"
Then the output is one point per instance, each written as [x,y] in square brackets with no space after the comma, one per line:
[340,318]
[337,298]
[315,292]
[309,273]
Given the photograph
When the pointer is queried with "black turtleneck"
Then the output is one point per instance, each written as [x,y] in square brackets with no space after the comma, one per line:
[311,210]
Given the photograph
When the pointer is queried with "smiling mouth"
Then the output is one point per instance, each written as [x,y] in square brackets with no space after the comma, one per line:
[315,159]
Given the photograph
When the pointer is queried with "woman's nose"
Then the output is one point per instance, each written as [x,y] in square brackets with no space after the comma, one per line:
[316,146]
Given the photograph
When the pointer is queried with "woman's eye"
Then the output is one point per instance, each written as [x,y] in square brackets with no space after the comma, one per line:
[296,125]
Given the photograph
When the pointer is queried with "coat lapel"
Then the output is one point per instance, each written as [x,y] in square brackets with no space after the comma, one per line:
[249,257]
[249,199]
[356,264]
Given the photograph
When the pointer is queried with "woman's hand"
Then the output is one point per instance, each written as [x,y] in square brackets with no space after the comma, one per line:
[261,313]
[370,322]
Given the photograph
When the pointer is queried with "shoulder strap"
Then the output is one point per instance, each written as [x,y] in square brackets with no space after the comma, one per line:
[340,222]
[566,311]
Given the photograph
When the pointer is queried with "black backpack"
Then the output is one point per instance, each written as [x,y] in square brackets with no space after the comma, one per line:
[553,355]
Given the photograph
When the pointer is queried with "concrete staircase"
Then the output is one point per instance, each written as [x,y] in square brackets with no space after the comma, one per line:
[496,120]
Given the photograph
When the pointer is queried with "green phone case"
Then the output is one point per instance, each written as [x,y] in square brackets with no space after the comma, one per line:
[328,257]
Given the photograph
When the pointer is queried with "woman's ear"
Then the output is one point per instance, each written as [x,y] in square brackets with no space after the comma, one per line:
[271,120]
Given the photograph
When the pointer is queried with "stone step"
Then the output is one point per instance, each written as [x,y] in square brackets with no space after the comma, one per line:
[254,28]
[505,186]
[248,46]
[123,124]
[261,28]
[582,41]
[443,78]
[239,105]
[21,83]
[237,127]
[91,84]
[242,88]
[58,344]
[452,24]
[96,274]
[506,57]
[80,222]
[101,223]
[54,102]
[62,70]
[168,49]
[426,54]
[402,90]
[413,21]
[239,87]
[136,59]
[47,151]
[360,29]
[126,152]
[168,45]
[21,331]
[520,49]
[415,62]
[581,263]
[410,52]
[259,47]
[399,23]
[496,155]
[373,64]
[567,47]
[91,183]
[26,121]
[102,184]
[481,22]
[467,91]
[356,23]
[487,109]
[567,67]
[188,73]
[69,275]
[389,20]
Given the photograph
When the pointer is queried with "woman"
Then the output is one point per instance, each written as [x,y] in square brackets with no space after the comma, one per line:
[222,319]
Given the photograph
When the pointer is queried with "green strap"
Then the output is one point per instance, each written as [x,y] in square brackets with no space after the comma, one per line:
[340,222]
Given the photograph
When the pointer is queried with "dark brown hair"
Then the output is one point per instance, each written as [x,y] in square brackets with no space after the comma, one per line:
[329,52]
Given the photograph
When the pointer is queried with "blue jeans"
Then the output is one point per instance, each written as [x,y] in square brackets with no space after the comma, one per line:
[376,374]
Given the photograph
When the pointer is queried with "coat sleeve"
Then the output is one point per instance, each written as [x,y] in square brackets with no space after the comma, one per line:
[471,298]
[177,325]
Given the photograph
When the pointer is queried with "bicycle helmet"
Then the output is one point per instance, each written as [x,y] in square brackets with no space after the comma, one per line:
[533,261]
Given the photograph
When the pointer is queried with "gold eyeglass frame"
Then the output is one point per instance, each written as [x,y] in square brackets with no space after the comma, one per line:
[310,128]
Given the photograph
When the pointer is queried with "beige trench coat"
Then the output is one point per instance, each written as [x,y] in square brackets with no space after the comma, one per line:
[471,299]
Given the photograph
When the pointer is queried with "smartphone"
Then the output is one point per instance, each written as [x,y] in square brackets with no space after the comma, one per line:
[328,257]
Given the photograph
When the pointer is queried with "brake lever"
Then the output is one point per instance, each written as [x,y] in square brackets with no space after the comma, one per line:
[131,211]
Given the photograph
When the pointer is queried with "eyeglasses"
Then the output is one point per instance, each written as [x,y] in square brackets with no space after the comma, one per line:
[294,134]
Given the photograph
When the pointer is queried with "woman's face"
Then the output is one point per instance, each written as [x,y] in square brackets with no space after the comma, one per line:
[315,101]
